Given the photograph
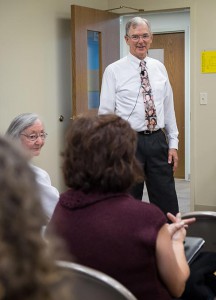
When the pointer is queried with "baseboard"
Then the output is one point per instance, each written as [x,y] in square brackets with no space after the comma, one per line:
[204,207]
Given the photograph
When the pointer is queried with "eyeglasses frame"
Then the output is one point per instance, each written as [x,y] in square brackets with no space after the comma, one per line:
[137,37]
[28,136]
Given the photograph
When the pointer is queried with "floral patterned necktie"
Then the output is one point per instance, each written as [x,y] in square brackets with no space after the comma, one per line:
[150,110]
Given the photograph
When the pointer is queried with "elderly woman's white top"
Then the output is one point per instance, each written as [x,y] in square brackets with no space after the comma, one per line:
[49,194]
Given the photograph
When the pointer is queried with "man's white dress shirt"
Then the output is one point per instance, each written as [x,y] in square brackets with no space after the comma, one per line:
[121,93]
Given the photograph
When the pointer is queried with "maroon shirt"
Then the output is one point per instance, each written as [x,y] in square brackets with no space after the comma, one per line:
[116,234]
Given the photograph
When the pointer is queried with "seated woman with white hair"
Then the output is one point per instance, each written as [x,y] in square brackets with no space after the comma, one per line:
[28,129]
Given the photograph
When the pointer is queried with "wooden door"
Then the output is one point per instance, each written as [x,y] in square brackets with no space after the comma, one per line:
[107,25]
[173,46]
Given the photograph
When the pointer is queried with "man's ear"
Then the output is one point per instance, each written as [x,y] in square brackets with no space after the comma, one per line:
[126,39]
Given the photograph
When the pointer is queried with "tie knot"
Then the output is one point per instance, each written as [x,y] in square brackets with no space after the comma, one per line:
[142,64]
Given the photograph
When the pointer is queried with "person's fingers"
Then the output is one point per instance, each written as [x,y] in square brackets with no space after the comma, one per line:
[178,216]
[174,227]
[171,217]
[189,221]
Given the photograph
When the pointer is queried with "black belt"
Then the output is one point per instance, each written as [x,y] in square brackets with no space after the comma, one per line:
[149,132]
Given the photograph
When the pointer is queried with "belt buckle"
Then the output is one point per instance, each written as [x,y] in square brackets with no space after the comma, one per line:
[147,132]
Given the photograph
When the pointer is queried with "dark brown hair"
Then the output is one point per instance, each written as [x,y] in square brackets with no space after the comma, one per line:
[100,154]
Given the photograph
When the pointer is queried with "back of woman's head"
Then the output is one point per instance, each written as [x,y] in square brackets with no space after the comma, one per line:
[100,154]
[27,269]
[18,190]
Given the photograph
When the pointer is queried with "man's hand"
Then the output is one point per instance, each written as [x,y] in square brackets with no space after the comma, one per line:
[173,158]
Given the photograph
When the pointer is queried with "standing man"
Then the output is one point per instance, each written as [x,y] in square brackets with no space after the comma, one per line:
[137,88]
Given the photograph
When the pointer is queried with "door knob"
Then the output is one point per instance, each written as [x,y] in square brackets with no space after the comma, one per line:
[61,118]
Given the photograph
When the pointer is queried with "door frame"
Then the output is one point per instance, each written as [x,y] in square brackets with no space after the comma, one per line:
[165,22]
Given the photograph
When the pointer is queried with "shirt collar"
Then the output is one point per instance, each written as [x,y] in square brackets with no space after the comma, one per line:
[135,61]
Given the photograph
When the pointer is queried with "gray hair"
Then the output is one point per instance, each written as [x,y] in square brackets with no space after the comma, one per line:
[20,123]
[134,22]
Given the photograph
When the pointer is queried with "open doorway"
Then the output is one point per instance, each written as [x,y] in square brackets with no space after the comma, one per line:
[171,22]
[164,23]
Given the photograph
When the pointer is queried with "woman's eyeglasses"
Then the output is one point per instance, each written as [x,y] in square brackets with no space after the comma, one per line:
[33,137]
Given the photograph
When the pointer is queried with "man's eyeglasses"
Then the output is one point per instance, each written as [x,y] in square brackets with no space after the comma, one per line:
[136,37]
[33,137]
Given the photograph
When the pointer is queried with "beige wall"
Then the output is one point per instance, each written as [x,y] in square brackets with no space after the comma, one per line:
[35,75]
[35,69]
